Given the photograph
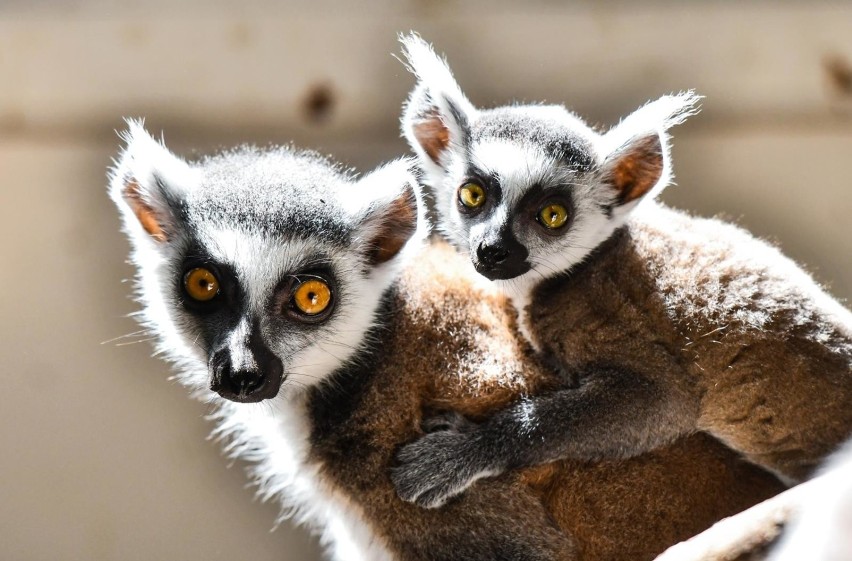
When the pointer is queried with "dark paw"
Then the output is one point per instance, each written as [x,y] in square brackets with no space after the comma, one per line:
[438,467]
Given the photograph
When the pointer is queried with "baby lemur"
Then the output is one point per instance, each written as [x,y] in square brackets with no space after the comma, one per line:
[284,292]
[668,324]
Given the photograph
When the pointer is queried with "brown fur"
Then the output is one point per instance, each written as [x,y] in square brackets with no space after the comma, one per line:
[451,343]
[398,225]
[761,358]
[637,171]
[751,534]
[433,136]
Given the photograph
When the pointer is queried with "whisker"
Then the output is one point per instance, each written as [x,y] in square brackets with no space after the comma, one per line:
[128,343]
[134,334]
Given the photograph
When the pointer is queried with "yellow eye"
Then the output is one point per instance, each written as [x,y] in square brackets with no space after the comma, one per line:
[201,284]
[472,195]
[553,216]
[312,297]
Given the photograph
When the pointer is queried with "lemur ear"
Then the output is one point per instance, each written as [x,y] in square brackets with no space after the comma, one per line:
[149,183]
[638,160]
[635,168]
[389,211]
[436,118]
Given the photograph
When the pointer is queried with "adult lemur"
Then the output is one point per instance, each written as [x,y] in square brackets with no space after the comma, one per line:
[668,324]
[270,279]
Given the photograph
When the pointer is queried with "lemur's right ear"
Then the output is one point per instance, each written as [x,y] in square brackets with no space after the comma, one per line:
[436,118]
[388,209]
[637,162]
[149,183]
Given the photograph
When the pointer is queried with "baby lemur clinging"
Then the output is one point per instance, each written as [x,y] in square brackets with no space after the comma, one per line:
[273,276]
[668,324]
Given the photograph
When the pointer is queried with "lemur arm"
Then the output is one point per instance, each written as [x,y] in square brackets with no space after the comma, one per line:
[613,413]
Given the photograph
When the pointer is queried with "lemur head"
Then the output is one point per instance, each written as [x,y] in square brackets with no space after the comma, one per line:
[530,190]
[261,267]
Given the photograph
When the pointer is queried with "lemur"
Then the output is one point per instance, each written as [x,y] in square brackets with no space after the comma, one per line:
[666,324]
[287,294]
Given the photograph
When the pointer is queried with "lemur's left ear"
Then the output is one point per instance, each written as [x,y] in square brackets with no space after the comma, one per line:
[389,211]
[149,183]
[436,118]
[638,160]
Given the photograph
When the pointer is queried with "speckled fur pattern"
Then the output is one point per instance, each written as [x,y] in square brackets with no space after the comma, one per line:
[663,324]
[455,347]
[760,354]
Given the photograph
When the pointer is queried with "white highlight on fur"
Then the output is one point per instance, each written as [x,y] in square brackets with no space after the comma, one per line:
[276,441]
[241,357]
[822,530]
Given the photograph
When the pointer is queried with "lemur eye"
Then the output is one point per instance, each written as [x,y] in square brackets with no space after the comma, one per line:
[472,195]
[553,216]
[201,284]
[312,297]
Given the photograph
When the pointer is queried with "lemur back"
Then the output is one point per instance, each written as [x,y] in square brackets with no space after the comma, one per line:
[665,324]
[760,354]
[269,277]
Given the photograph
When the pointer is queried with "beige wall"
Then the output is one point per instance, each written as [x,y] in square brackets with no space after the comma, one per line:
[100,456]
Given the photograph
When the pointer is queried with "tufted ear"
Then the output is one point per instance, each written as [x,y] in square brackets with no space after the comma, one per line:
[638,161]
[436,118]
[389,211]
[149,184]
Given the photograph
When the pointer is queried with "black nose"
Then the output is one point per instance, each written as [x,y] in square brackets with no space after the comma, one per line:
[491,254]
[245,385]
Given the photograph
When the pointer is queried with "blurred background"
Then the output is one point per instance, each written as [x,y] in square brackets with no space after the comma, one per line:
[101,457]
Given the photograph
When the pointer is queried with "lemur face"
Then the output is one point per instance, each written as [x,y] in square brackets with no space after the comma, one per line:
[259,268]
[519,193]
[528,191]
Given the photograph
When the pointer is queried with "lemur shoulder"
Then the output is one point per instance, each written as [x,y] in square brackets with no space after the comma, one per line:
[668,324]
[271,278]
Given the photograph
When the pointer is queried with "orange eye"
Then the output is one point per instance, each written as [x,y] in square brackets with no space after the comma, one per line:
[201,284]
[472,195]
[312,297]
[553,216]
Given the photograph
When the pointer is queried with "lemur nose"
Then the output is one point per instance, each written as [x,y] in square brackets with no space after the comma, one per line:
[491,254]
[244,385]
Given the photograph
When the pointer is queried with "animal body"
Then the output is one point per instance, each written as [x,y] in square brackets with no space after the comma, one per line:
[287,294]
[662,325]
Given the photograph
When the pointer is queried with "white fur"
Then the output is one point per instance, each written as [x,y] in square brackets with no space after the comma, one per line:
[822,530]
[443,89]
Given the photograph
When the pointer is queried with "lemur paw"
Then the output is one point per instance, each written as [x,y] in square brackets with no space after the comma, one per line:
[439,466]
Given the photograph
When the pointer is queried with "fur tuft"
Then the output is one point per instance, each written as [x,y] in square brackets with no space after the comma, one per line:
[437,114]
[655,117]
